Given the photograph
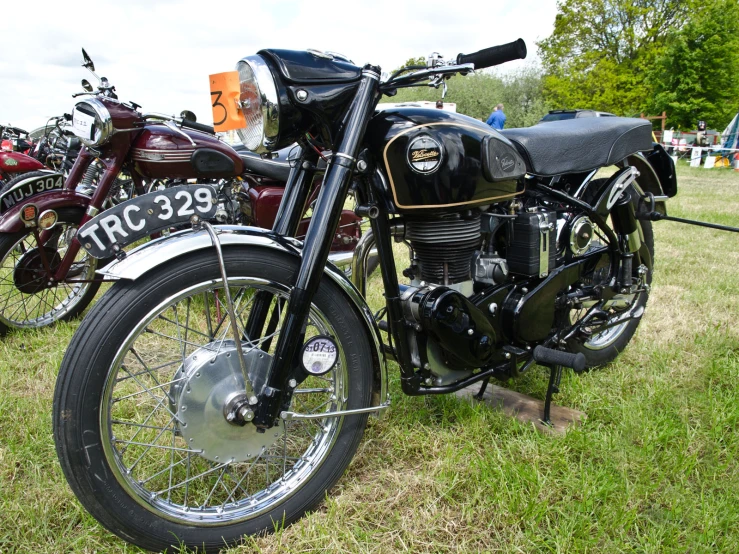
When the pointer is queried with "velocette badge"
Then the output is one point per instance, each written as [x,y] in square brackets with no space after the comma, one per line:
[424,154]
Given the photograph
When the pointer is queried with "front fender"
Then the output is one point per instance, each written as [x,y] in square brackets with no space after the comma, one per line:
[160,251]
[10,222]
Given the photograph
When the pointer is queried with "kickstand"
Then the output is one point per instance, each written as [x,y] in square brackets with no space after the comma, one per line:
[555,376]
[480,394]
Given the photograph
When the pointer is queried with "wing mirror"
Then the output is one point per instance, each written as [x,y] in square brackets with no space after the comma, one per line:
[87,61]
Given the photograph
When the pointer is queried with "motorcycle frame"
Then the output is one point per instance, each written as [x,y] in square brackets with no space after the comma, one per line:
[276,395]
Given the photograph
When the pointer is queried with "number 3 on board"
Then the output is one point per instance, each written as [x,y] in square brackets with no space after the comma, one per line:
[224,91]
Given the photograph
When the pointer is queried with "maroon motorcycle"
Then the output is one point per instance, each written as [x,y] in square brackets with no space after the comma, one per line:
[15,150]
[46,276]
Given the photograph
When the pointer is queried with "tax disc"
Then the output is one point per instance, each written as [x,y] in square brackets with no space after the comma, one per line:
[319,355]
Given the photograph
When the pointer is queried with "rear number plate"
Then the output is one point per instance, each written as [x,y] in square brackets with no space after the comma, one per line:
[105,235]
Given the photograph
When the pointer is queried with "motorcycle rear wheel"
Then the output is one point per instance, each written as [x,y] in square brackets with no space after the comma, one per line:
[135,429]
[25,302]
[602,347]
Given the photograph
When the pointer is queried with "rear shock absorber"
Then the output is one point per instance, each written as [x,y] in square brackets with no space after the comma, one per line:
[625,225]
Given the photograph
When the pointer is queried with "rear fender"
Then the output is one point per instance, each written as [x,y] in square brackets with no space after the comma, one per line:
[657,175]
[161,251]
[10,222]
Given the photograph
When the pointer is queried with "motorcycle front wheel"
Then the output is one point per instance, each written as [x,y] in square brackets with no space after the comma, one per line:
[27,300]
[139,420]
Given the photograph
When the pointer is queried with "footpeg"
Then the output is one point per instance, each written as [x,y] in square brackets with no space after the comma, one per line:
[547,356]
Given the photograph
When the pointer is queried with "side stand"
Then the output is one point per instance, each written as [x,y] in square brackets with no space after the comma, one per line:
[555,376]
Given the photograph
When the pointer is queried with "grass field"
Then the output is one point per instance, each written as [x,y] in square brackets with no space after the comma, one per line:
[653,469]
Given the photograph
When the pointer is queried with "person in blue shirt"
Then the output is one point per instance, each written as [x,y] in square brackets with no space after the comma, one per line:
[497,118]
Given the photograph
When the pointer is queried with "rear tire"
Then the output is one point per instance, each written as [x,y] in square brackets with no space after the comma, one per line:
[602,348]
[127,368]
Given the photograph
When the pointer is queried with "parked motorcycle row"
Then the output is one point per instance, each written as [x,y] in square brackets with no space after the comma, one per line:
[222,384]
[67,184]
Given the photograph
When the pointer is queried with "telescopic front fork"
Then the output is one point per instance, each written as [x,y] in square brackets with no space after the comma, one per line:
[276,394]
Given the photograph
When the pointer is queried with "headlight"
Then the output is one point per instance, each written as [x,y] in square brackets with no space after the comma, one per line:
[260,104]
[91,122]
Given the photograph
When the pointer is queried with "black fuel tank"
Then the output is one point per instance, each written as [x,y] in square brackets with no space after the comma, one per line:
[436,160]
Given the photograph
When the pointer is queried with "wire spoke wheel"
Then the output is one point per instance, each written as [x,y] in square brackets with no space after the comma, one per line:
[27,299]
[157,363]
[148,409]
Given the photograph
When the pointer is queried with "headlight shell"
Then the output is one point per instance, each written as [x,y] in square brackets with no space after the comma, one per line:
[260,105]
[92,122]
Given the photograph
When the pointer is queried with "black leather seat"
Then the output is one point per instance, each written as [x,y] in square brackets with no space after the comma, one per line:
[275,168]
[579,145]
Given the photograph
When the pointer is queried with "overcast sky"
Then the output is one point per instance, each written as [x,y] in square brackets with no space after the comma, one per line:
[159,53]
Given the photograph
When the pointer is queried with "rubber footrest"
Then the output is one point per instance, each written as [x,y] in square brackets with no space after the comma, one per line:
[547,356]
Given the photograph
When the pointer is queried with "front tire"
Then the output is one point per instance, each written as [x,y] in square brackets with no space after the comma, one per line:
[25,300]
[159,475]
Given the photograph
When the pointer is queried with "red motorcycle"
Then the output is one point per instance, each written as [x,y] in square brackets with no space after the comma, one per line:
[45,276]
[15,147]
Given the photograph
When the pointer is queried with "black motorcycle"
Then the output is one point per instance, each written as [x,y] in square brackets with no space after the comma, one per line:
[222,385]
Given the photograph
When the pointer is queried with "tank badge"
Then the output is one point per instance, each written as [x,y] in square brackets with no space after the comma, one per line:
[507,163]
[11,162]
[424,154]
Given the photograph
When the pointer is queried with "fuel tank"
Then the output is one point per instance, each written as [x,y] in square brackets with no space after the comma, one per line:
[17,162]
[436,160]
[160,152]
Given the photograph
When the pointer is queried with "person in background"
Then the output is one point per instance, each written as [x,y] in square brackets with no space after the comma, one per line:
[497,118]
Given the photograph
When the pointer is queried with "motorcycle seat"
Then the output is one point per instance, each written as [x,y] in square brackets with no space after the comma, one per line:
[579,145]
[277,168]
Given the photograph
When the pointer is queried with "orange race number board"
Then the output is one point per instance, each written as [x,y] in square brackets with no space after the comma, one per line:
[224,93]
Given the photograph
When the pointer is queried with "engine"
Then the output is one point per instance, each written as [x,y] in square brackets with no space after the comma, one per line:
[444,246]
[456,255]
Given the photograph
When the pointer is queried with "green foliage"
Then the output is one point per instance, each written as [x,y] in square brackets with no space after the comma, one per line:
[697,76]
[599,50]
[476,95]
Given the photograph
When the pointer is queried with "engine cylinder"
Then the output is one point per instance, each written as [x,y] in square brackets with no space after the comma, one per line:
[444,246]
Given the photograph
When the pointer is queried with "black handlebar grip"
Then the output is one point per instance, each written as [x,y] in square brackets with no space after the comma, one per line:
[198,126]
[547,356]
[495,55]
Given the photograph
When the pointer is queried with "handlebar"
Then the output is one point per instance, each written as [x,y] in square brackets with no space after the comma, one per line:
[197,126]
[495,55]
[180,121]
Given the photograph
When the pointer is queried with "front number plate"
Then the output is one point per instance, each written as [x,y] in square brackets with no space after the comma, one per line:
[103,236]
[25,189]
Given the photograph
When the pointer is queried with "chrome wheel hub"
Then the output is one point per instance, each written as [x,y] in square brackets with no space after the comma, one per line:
[203,389]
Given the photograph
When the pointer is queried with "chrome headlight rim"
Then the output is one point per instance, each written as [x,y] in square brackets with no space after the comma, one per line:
[103,120]
[269,104]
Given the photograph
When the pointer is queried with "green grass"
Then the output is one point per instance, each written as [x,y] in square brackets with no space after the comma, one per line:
[653,469]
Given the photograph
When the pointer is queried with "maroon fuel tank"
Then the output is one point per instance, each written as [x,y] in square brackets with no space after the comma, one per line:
[160,152]
[17,162]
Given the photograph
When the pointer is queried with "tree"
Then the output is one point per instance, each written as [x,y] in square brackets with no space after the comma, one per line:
[600,49]
[697,76]
[475,95]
